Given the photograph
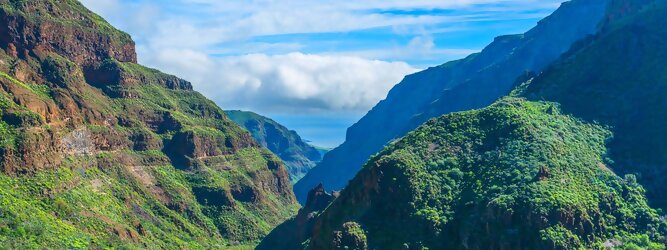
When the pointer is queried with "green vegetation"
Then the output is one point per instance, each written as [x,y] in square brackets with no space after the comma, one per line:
[40,90]
[102,153]
[518,174]
[625,92]
[85,208]
[574,158]
[351,237]
[69,13]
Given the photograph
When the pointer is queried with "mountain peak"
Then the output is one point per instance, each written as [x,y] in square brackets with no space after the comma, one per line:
[37,28]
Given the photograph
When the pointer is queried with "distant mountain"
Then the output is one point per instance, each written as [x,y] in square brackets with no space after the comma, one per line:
[99,152]
[573,158]
[299,156]
[470,83]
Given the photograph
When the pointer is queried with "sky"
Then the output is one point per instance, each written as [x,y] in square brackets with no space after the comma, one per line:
[316,66]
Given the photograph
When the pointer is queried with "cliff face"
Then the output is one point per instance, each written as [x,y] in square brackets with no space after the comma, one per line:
[34,28]
[98,151]
[299,156]
[471,83]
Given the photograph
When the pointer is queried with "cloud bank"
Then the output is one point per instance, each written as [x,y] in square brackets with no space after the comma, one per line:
[293,82]
[300,55]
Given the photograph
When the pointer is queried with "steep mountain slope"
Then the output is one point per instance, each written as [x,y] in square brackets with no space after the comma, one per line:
[516,175]
[619,79]
[526,173]
[473,82]
[97,151]
[299,156]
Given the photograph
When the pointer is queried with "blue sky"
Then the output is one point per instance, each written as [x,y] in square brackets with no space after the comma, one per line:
[314,65]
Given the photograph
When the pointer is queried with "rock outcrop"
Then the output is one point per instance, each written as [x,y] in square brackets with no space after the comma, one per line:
[66,28]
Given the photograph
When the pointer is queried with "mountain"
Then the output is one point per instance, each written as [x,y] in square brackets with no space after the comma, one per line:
[470,83]
[572,159]
[299,156]
[617,79]
[97,151]
[516,175]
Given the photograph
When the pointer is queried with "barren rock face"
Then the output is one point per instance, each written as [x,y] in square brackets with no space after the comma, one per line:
[78,142]
[111,72]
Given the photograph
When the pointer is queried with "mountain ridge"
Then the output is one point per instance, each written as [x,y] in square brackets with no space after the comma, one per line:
[449,87]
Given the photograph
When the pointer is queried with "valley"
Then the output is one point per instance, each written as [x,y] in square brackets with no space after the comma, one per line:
[550,139]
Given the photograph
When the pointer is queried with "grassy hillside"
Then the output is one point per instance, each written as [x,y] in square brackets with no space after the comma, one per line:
[299,156]
[97,151]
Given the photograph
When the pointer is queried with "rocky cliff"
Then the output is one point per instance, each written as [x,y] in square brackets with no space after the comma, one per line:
[97,151]
[470,83]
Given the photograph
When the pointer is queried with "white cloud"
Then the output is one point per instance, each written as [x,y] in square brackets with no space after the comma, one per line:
[250,5]
[289,82]
[404,54]
[184,37]
[204,23]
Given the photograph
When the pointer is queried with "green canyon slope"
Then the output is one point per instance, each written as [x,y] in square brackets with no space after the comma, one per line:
[97,151]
